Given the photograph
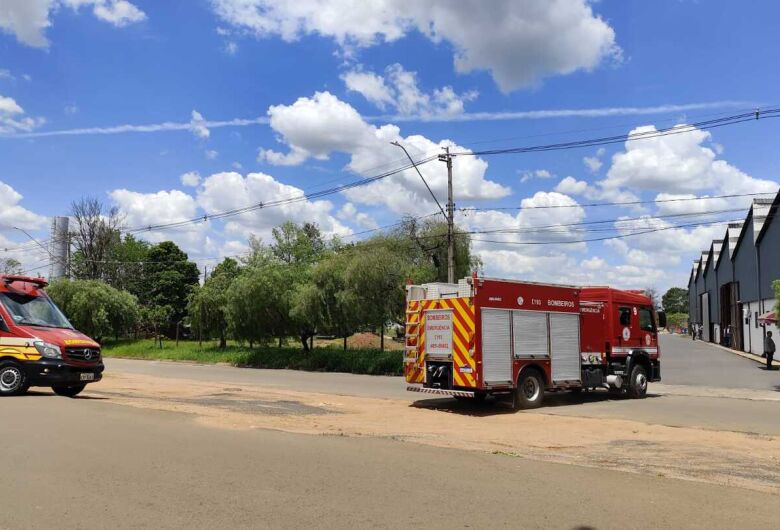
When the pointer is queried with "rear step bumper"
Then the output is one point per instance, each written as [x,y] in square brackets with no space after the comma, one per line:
[441,392]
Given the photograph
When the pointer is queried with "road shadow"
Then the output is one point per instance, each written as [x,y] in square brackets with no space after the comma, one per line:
[493,406]
[40,394]
[772,369]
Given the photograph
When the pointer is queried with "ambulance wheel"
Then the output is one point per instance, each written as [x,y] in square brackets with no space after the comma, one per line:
[13,380]
[637,383]
[529,393]
[68,391]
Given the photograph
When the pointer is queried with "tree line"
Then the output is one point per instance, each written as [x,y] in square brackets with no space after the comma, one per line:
[299,284]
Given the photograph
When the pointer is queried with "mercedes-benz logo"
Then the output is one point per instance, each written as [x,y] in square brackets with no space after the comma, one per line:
[87,355]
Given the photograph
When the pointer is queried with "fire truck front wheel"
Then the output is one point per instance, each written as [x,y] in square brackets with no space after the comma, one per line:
[530,390]
[13,380]
[637,383]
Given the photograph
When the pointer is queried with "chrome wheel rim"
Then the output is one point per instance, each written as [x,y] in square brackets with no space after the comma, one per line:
[10,379]
[531,389]
[641,381]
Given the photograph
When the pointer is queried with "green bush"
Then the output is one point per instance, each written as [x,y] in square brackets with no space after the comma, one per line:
[358,361]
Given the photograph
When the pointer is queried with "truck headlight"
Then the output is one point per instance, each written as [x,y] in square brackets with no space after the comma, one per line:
[50,351]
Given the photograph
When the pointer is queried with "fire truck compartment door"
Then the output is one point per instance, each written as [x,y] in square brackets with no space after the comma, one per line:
[530,334]
[496,346]
[565,346]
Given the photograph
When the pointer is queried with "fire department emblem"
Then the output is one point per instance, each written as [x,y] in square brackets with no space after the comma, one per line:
[647,340]
[626,333]
[520,300]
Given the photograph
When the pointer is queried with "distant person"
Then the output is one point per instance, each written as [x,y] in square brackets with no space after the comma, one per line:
[727,336]
[769,349]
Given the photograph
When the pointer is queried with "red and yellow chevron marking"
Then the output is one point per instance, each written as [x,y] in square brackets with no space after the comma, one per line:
[464,365]
[414,367]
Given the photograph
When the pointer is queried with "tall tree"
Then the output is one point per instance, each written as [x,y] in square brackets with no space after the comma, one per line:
[429,244]
[125,267]
[297,244]
[207,307]
[10,266]
[169,277]
[652,294]
[95,308]
[675,300]
[96,231]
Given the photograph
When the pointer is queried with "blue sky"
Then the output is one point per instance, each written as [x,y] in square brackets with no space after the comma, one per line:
[324,87]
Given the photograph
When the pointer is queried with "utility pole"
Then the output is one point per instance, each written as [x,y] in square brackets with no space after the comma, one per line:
[449,216]
[447,158]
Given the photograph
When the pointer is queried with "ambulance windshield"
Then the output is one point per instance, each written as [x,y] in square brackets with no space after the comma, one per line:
[29,310]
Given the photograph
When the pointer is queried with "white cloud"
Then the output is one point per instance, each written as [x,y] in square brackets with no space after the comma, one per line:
[198,125]
[318,126]
[29,19]
[230,190]
[671,204]
[371,86]
[678,163]
[12,118]
[6,74]
[13,214]
[465,116]
[231,48]
[211,154]
[519,43]
[70,109]
[349,213]
[190,179]
[538,174]
[592,163]
[595,263]
[120,13]
[144,209]
[572,186]
[399,89]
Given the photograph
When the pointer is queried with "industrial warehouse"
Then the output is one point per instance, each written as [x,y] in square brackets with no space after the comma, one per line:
[730,294]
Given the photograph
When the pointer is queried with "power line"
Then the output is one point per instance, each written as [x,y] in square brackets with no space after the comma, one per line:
[630,137]
[620,203]
[606,238]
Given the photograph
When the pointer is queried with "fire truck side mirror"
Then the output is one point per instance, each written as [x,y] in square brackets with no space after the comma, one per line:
[661,319]
[3,325]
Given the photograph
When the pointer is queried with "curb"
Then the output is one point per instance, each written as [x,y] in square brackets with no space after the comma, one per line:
[751,356]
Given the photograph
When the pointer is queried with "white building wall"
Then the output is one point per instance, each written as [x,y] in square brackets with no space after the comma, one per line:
[753,333]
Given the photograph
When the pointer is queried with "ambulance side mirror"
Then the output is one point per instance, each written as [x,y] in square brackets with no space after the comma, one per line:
[3,325]
[661,319]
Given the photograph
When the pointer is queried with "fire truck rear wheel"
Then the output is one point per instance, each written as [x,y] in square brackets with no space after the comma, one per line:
[530,390]
[13,380]
[68,391]
[637,384]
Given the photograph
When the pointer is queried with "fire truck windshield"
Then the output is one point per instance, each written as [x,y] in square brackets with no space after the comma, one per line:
[29,310]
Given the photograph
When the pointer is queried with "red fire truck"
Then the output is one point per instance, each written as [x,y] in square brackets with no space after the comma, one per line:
[519,339]
[38,346]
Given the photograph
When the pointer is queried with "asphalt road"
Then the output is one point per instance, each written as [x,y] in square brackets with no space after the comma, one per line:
[87,463]
[696,363]
[686,363]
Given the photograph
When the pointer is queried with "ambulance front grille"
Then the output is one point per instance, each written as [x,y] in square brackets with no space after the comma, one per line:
[83,355]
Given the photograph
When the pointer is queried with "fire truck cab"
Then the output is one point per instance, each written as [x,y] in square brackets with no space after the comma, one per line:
[38,346]
[519,339]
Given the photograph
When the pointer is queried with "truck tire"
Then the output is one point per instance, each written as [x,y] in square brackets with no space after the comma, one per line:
[13,380]
[637,383]
[529,393]
[68,391]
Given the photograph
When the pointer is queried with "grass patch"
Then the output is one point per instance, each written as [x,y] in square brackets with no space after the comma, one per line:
[328,359]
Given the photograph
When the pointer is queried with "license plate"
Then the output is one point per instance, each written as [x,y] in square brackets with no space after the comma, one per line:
[87,377]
